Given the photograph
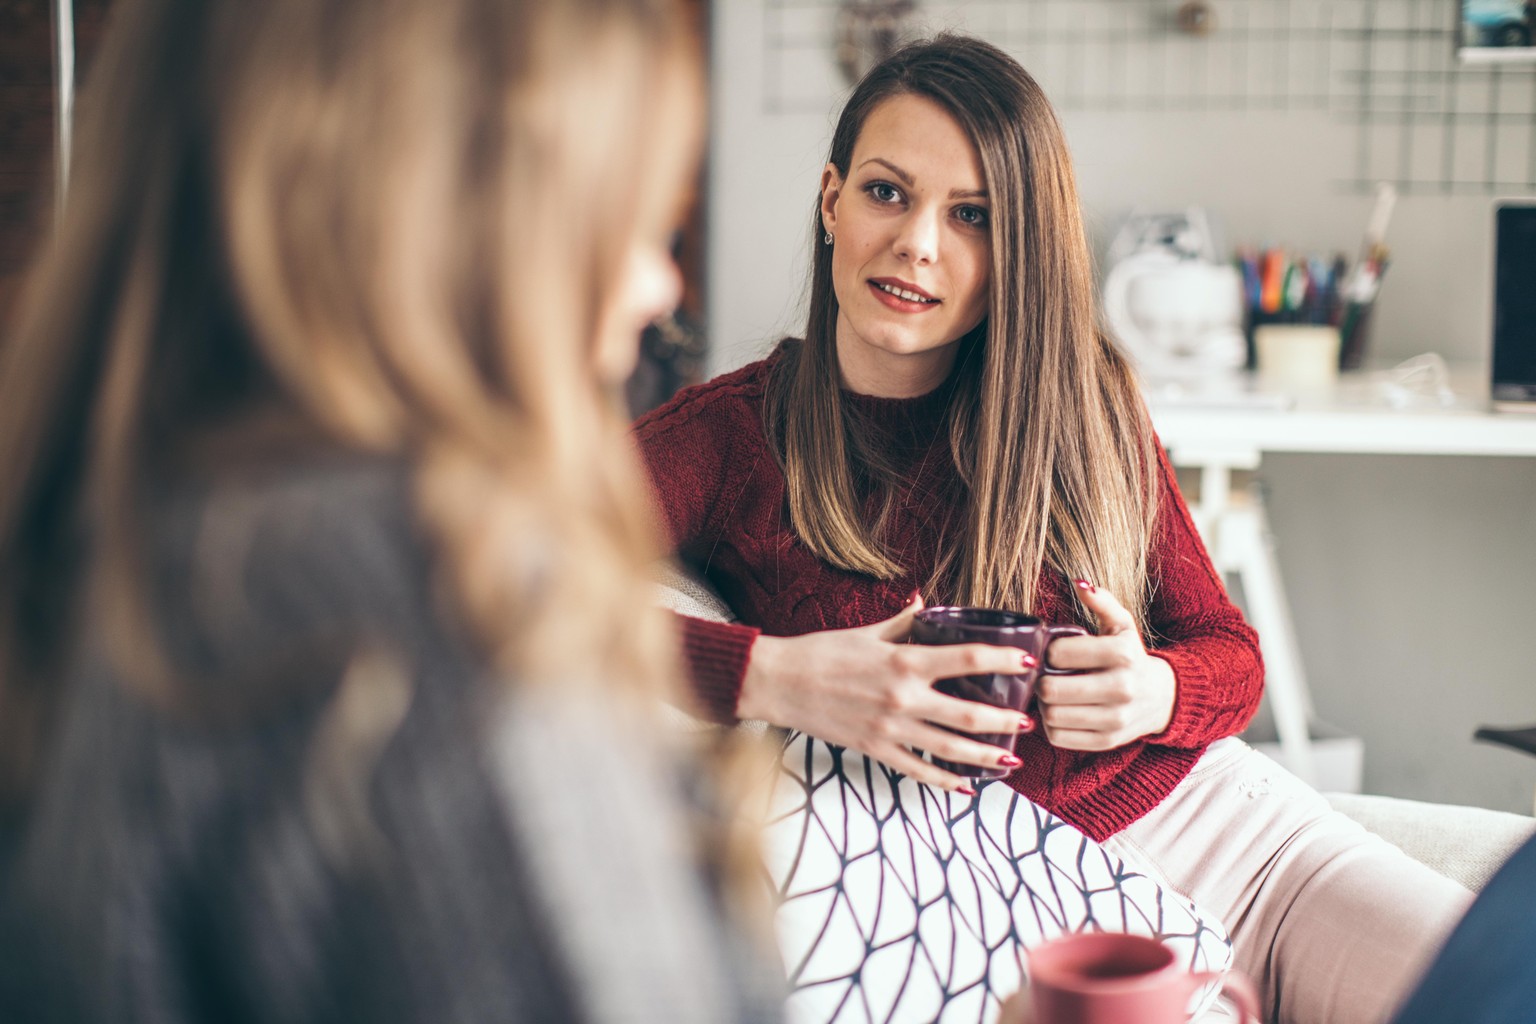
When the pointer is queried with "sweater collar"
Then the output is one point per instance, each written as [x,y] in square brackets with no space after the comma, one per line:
[919,417]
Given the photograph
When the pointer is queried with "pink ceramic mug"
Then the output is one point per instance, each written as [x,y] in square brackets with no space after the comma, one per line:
[1111,978]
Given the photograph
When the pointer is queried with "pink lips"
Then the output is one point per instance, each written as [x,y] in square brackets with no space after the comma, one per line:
[896,302]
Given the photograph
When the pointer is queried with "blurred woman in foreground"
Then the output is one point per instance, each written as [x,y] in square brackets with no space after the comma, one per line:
[323,637]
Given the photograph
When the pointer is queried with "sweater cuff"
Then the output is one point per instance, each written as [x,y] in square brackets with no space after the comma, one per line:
[1194,710]
[717,655]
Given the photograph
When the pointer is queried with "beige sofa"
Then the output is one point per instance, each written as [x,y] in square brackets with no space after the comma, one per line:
[1465,843]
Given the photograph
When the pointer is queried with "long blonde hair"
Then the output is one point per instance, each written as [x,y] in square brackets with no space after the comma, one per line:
[398,223]
[1046,428]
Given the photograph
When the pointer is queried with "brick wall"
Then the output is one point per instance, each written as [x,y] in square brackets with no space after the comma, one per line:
[26,125]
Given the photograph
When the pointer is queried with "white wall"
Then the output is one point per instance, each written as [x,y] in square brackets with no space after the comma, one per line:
[1413,580]
[763,174]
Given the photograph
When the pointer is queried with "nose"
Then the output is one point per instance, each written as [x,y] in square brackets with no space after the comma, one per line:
[650,287]
[918,239]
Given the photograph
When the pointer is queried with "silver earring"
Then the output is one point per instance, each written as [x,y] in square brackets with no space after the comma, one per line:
[827,238]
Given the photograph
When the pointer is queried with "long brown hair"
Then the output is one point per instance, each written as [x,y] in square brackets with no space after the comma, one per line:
[396,224]
[1045,424]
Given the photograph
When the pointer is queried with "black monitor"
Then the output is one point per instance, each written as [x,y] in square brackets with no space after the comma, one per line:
[1514,302]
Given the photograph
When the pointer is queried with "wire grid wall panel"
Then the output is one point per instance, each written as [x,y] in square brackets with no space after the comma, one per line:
[1420,117]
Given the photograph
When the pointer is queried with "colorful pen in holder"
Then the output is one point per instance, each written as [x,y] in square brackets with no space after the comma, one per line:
[1281,288]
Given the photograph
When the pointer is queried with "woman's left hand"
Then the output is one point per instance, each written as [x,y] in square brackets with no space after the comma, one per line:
[1121,693]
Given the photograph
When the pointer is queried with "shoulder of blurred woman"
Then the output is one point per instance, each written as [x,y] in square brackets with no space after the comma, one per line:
[281,567]
[733,396]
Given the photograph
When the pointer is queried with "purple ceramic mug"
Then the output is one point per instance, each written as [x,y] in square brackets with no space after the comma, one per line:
[943,625]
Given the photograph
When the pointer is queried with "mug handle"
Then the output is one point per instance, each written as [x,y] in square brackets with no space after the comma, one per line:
[1055,633]
[1236,987]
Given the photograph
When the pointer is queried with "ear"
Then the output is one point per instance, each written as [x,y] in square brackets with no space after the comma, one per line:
[831,191]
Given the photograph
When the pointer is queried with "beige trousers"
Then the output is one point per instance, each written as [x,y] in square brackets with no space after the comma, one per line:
[1332,923]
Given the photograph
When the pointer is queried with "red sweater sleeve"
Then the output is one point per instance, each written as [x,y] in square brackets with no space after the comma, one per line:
[688,472]
[717,655]
[687,447]
[1214,653]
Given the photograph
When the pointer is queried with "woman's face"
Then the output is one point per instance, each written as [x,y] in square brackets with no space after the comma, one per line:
[912,255]
[649,285]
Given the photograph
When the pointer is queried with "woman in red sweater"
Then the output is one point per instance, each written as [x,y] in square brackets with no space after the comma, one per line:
[955,427]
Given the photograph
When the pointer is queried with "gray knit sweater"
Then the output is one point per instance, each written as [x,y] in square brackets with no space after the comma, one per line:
[343,816]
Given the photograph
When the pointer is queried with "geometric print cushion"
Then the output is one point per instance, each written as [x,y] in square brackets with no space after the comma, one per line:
[900,902]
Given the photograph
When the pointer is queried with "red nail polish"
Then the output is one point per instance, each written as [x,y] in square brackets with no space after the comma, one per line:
[1029,660]
[967,790]
[914,596]
[1084,584]
[1008,761]
[1026,724]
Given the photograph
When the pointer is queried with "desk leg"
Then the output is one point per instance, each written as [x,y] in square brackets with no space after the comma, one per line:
[1215,496]
[1249,548]
[1238,536]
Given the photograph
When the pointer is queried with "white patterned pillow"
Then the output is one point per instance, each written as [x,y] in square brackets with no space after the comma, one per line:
[901,902]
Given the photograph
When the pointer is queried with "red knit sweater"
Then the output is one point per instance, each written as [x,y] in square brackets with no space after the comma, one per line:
[723,497]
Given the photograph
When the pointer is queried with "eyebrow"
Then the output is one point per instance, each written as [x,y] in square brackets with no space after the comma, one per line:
[906,179]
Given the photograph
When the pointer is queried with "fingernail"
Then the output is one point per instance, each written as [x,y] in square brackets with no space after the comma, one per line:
[1026,724]
[1008,761]
[1085,585]
[912,597]
[967,790]
[1029,660]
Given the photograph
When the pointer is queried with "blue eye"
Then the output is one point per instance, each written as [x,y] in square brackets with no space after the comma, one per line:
[883,192]
[972,216]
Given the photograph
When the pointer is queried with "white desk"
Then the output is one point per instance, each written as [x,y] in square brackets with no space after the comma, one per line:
[1230,426]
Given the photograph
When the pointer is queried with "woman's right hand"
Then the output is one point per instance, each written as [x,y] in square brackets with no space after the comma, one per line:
[868,689]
